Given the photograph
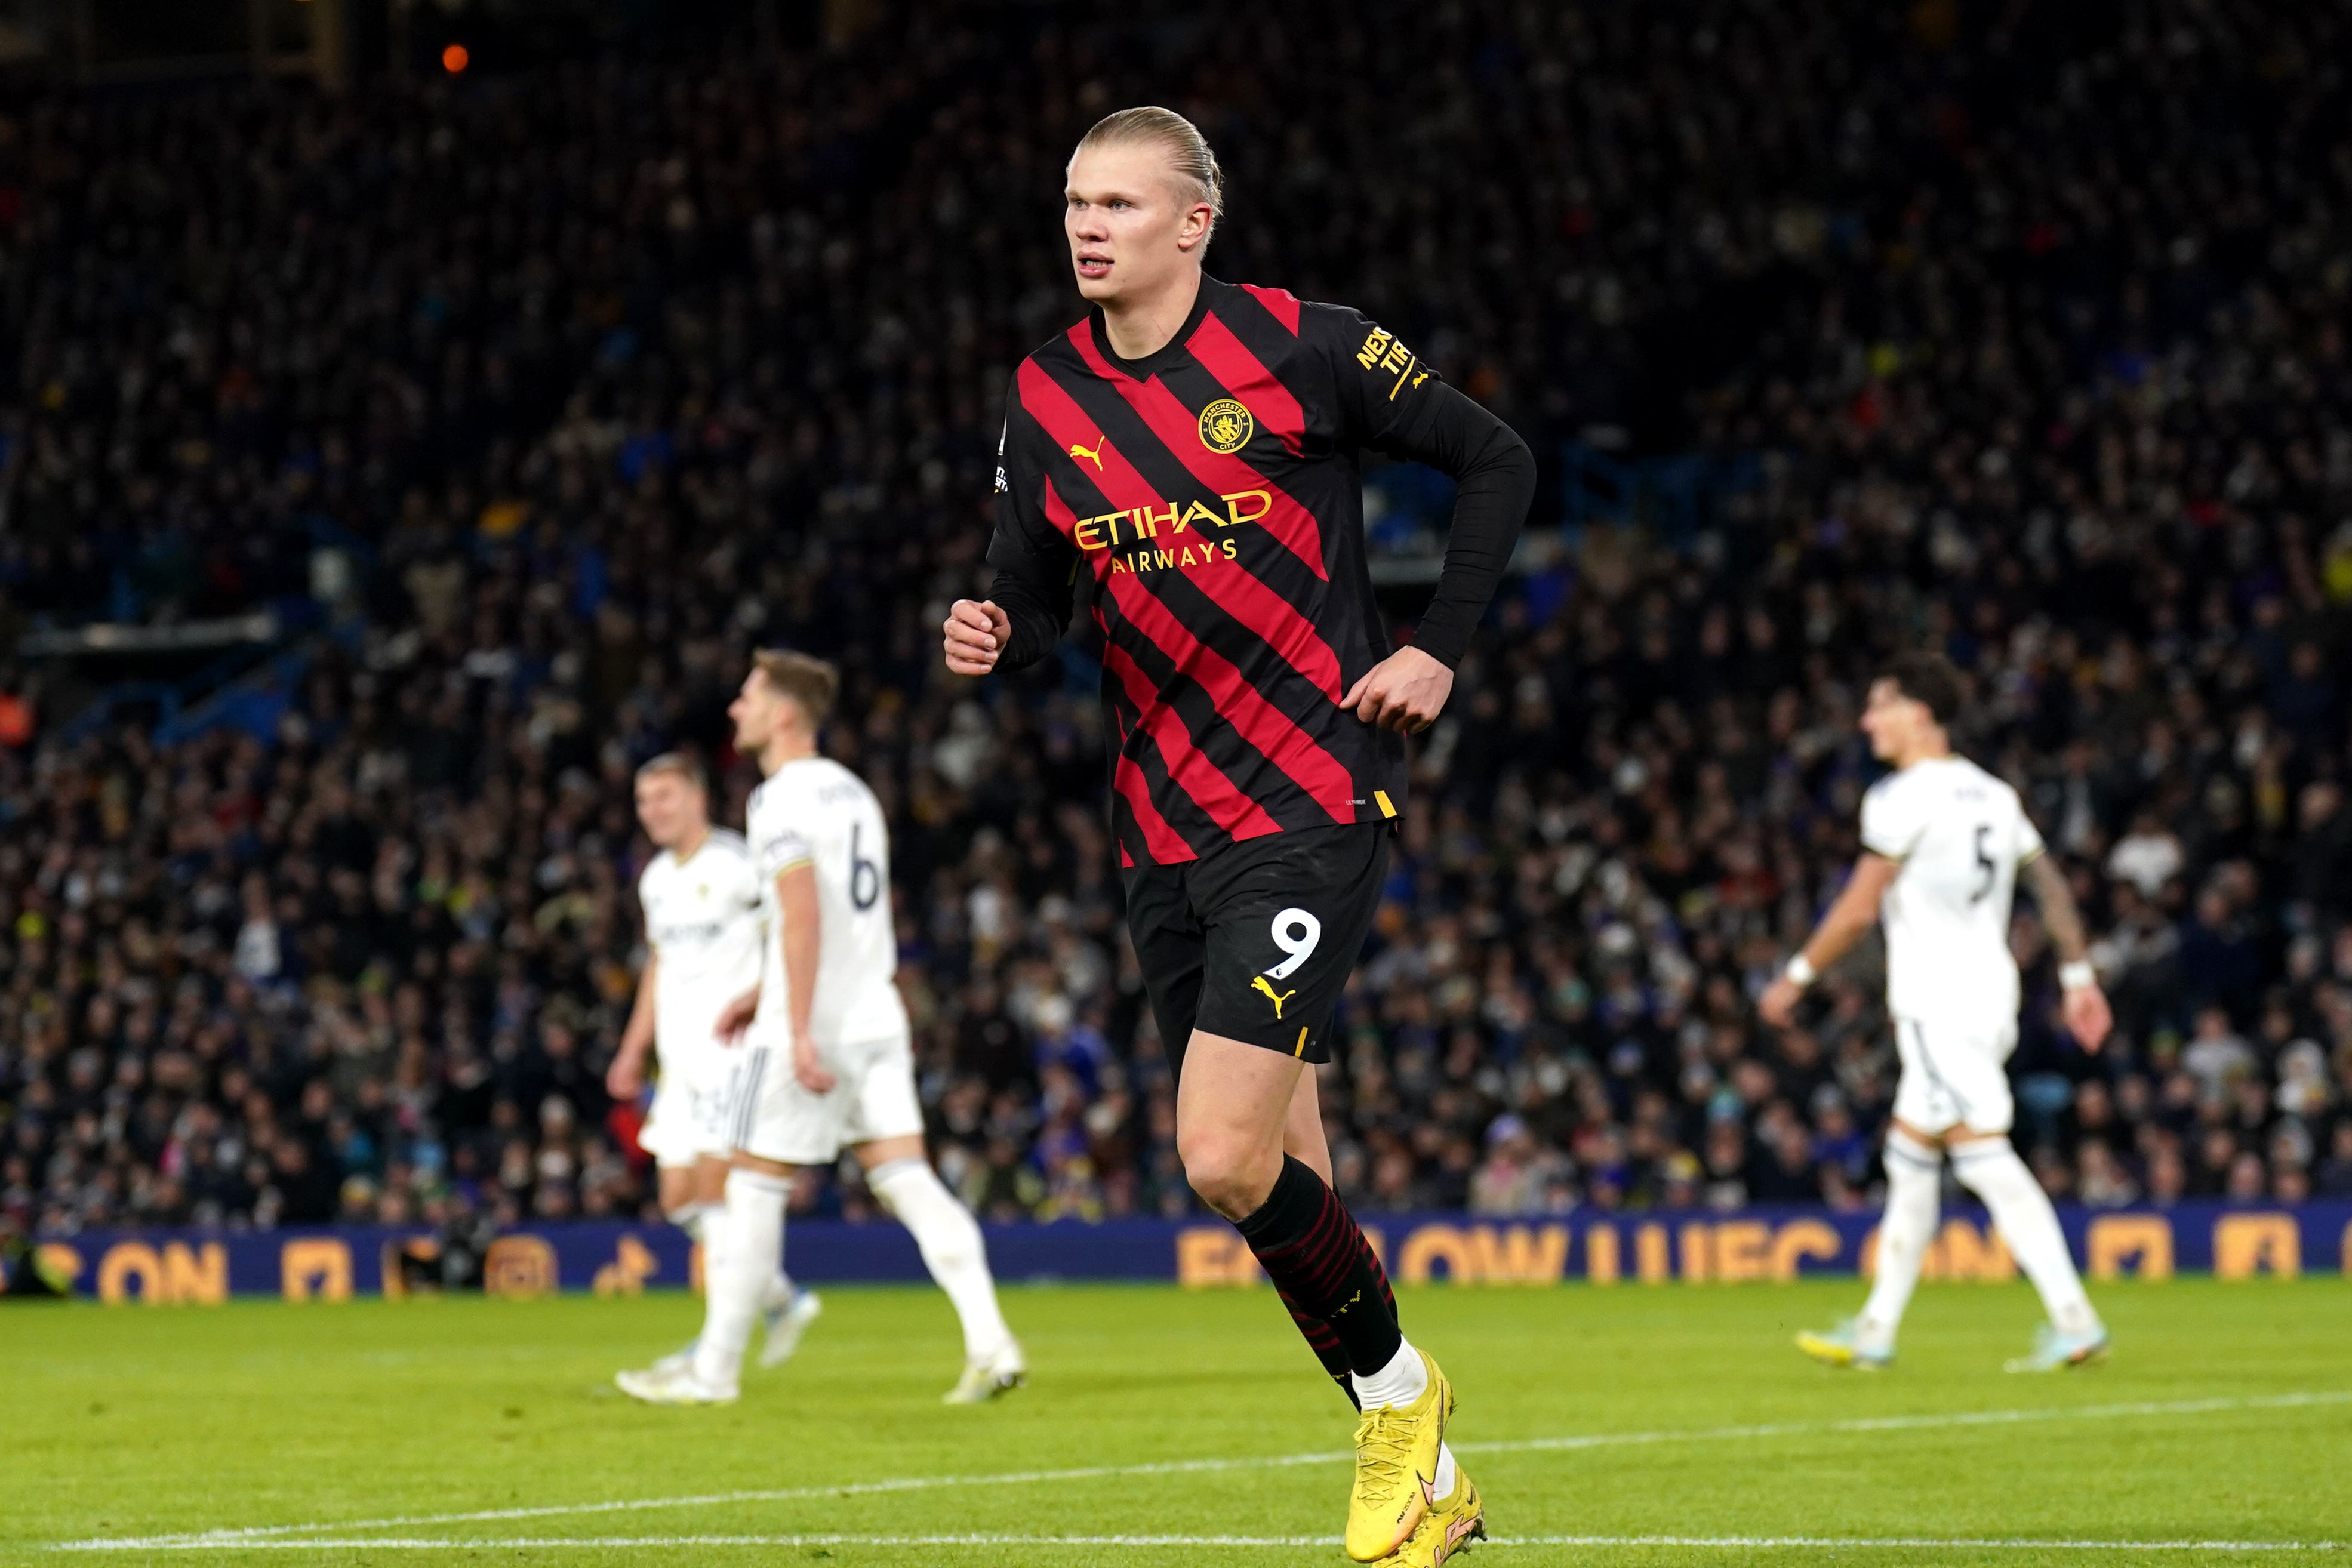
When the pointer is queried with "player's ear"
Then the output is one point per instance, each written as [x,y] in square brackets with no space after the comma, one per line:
[1192,229]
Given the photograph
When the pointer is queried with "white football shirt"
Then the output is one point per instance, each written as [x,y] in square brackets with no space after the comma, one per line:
[1960,834]
[702,920]
[816,812]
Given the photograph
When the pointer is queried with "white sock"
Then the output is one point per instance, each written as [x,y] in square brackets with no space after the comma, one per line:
[951,1247]
[700,1221]
[2022,1213]
[733,1283]
[1399,1383]
[715,1234]
[779,1290]
[1913,1189]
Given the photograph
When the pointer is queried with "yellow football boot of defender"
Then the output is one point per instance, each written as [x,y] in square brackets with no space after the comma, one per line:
[1396,1468]
[1449,1527]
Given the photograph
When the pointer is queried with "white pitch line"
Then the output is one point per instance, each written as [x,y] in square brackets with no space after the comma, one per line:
[1716,1543]
[1917,1423]
[259,1535]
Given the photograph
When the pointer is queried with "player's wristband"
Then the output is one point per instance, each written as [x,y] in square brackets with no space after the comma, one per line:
[1800,972]
[2077,976]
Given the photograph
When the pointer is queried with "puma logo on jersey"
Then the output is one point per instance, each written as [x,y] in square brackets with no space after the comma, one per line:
[1260,983]
[1341,1309]
[1096,456]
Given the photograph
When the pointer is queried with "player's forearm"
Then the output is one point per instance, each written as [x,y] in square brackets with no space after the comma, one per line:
[801,986]
[637,1034]
[1495,480]
[636,1038]
[2060,916]
[1036,589]
[1853,911]
[1036,618]
[796,903]
[1835,937]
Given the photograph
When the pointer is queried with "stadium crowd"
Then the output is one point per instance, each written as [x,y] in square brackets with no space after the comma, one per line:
[2027,328]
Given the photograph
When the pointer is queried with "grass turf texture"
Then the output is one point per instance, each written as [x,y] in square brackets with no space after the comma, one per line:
[133,1422]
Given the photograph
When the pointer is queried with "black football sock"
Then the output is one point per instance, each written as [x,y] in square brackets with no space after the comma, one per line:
[1324,1343]
[1315,1253]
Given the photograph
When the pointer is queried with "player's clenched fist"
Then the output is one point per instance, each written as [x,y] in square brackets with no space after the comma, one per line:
[976,635]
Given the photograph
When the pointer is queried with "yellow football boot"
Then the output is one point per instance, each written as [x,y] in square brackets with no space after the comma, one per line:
[1842,1346]
[1396,1468]
[1449,1527]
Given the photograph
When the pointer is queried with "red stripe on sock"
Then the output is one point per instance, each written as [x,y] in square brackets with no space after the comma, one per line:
[1331,1248]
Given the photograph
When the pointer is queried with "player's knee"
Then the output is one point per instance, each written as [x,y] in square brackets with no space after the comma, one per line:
[915,1196]
[1907,1154]
[1231,1175]
[1991,1167]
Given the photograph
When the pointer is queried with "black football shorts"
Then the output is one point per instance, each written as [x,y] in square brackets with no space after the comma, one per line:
[1254,942]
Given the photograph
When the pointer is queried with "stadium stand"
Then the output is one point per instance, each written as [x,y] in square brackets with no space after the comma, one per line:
[2021,332]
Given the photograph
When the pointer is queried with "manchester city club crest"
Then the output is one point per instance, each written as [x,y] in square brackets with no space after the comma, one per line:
[1225,425]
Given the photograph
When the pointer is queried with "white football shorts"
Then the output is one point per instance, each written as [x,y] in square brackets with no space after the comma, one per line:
[873,1096]
[1954,1076]
[687,1119]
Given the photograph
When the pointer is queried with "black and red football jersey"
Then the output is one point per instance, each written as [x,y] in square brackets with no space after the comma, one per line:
[1212,492]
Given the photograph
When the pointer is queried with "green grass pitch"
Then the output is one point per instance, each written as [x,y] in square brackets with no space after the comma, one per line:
[1602,1414]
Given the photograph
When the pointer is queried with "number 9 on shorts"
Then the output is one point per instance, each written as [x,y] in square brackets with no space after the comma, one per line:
[1255,941]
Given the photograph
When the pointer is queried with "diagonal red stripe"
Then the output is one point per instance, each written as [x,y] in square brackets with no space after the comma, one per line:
[1244,595]
[1323,1261]
[1280,303]
[1178,430]
[1236,813]
[1242,374]
[1245,376]
[1322,1251]
[1068,425]
[1319,1334]
[1166,844]
[1331,1247]
[1238,702]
